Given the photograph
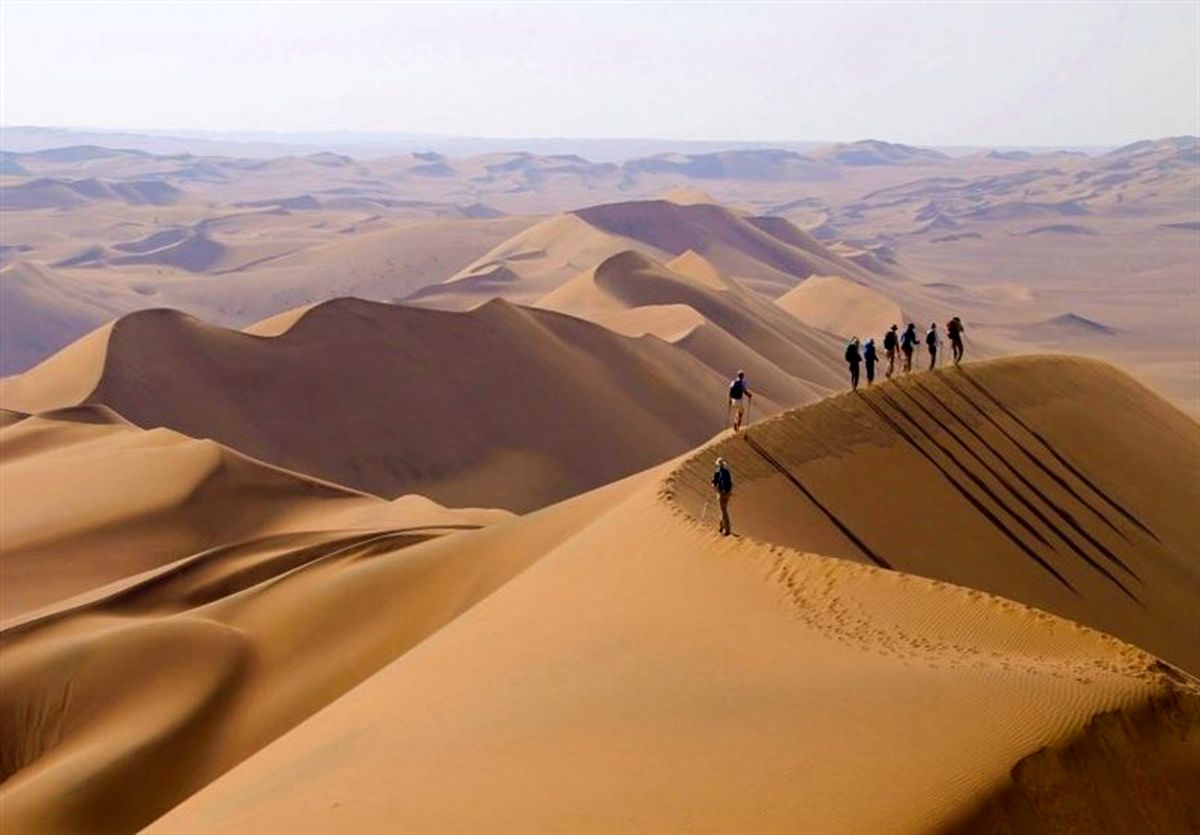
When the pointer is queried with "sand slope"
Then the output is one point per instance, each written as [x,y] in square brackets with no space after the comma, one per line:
[1061,483]
[684,682]
[118,706]
[497,407]
[90,499]
[844,307]
[743,328]
[605,664]
[767,254]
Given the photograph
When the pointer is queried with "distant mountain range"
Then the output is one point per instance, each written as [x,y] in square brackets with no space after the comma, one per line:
[368,145]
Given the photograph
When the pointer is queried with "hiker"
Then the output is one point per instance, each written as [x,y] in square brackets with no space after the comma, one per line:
[722,480]
[854,358]
[891,341]
[908,343]
[739,399]
[932,341]
[869,358]
[955,330]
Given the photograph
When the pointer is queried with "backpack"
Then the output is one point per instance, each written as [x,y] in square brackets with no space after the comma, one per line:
[737,389]
[909,338]
[931,338]
[953,328]
[852,353]
[723,481]
[889,341]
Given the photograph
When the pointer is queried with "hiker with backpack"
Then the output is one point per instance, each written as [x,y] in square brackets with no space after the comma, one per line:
[908,343]
[739,399]
[891,341]
[854,358]
[955,330]
[722,481]
[869,359]
[932,341]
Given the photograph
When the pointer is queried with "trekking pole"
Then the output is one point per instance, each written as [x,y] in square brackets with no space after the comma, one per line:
[704,512]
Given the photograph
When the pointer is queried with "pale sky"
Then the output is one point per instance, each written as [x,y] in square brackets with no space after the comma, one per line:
[933,74]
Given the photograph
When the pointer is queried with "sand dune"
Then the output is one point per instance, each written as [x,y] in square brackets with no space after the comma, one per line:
[1059,483]
[738,685]
[899,639]
[753,326]
[769,259]
[774,388]
[151,687]
[844,307]
[232,270]
[767,254]
[1064,329]
[891,217]
[90,499]
[376,396]
[534,262]
[50,193]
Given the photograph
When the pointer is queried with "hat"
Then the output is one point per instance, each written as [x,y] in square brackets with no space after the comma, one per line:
[721,462]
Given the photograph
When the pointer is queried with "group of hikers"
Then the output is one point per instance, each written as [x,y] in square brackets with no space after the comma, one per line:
[903,343]
[895,343]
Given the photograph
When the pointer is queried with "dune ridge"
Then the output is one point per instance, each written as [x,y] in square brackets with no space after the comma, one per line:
[697,680]
[630,280]
[388,384]
[1061,483]
[733,684]
[89,499]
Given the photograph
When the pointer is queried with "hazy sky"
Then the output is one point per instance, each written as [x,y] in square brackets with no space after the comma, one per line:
[1008,74]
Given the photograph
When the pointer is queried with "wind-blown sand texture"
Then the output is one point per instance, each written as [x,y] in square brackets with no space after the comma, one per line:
[88,499]
[610,664]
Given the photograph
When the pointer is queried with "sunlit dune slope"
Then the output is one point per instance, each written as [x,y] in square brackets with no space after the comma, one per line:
[1058,482]
[89,499]
[152,687]
[630,280]
[768,254]
[608,660]
[646,675]
[843,307]
[496,407]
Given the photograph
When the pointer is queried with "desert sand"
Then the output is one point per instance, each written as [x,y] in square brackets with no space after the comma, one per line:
[612,660]
[260,563]
[1010,240]
[563,405]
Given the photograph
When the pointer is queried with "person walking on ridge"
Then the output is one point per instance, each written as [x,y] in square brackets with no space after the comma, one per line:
[891,342]
[722,481]
[932,341]
[869,359]
[854,358]
[955,330]
[908,343]
[739,399]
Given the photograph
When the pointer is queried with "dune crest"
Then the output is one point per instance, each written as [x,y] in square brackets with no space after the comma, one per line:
[373,396]
[843,307]
[89,499]
[986,700]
